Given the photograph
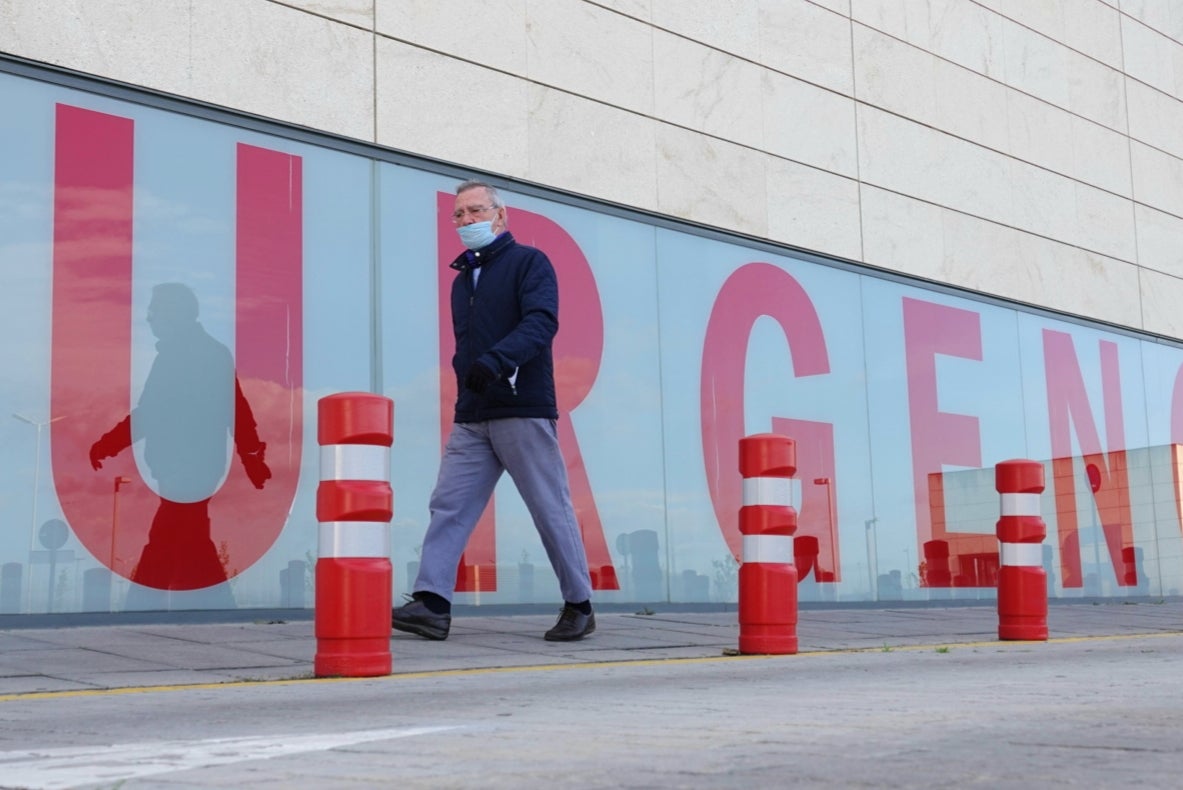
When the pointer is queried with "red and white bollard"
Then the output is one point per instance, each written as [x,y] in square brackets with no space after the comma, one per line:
[767,521]
[354,505]
[1022,581]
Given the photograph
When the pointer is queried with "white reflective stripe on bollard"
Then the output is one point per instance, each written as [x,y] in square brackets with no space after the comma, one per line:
[355,462]
[1019,504]
[1025,554]
[768,548]
[767,491]
[353,539]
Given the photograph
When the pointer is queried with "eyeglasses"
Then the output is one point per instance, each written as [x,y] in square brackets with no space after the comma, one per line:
[471,211]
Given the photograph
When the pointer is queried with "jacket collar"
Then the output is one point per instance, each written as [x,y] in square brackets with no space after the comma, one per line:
[471,259]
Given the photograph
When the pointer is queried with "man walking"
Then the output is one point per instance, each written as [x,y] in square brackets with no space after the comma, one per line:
[505,305]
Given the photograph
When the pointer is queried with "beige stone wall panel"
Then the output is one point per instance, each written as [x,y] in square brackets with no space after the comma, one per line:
[1161,296]
[707,90]
[976,38]
[903,156]
[730,27]
[1079,282]
[1100,156]
[837,6]
[1159,235]
[894,75]
[256,56]
[591,148]
[637,9]
[1156,118]
[590,51]
[451,109]
[142,44]
[982,40]
[907,20]
[490,33]
[1088,26]
[808,41]
[1158,179]
[359,13]
[924,240]
[814,209]
[807,124]
[1162,15]
[282,63]
[1152,57]
[900,233]
[907,157]
[705,180]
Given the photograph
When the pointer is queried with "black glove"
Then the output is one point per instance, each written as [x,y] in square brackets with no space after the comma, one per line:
[111,444]
[256,468]
[97,454]
[479,377]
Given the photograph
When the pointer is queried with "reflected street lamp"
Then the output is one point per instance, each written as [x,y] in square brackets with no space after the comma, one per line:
[36,461]
[1093,472]
[832,534]
[825,481]
[872,556]
[120,481]
[36,480]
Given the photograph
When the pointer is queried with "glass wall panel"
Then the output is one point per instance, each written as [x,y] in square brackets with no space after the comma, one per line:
[165,263]
[606,375]
[757,343]
[1161,544]
[943,389]
[1086,418]
[26,226]
[181,293]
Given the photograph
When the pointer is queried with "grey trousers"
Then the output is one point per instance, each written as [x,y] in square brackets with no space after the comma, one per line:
[474,457]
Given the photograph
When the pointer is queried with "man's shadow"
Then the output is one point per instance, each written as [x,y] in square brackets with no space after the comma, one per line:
[190,408]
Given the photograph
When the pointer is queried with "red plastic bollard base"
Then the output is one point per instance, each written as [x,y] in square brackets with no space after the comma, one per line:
[352,658]
[1023,632]
[353,600]
[1022,604]
[767,609]
[773,643]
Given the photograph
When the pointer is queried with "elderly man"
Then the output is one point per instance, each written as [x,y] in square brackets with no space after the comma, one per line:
[505,307]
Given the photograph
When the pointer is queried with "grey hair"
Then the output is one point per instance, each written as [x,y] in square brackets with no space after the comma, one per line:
[473,183]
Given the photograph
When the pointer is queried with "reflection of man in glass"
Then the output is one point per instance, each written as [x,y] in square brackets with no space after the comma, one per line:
[190,405]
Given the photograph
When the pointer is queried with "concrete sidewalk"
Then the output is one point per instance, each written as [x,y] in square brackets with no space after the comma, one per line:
[146,655]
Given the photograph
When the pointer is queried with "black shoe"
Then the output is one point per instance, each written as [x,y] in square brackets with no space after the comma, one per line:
[416,618]
[572,625]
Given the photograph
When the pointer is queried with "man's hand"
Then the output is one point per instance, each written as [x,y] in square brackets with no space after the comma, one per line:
[111,443]
[97,455]
[479,377]
[256,468]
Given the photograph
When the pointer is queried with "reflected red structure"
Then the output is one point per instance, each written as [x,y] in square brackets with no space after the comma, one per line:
[163,541]
[970,559]
[1068,410]
[751,292]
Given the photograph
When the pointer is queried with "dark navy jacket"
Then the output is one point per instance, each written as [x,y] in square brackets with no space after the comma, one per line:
[508,322]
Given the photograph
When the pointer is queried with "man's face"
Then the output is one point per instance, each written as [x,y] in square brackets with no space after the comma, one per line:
[475,205]
[160,320]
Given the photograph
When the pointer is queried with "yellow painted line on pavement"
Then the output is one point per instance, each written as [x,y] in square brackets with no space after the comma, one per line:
[887,647]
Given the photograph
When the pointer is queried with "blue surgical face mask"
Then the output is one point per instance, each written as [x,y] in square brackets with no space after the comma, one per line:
[477,235]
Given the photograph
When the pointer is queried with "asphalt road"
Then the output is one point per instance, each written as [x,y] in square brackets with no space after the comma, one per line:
[1087,712]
